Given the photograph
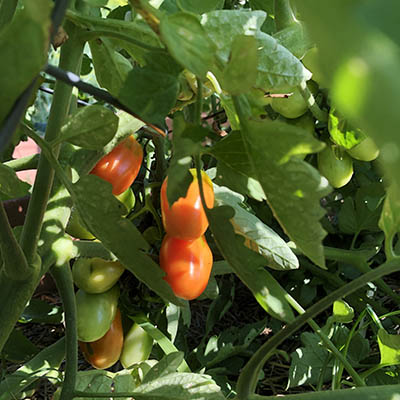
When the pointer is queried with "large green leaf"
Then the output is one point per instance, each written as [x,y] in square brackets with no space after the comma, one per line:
[118,234]
[293,187]
[258,237]
[389,347]
[11,186]
[90,127]
[150,93]
[247,264]
[111,67]
[23,49]
[361,61]
[188,42]
[389,220]
[276,66]
[18,347]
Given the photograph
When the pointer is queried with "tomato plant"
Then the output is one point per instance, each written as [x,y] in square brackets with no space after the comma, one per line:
[365,150]
[336,165]
[137,346]
[121,166]
[95,313]
[105,352]
[186,218]
[187,265]
[95,275]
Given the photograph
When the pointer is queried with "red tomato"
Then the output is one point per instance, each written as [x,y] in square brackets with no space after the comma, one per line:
[187,264]
[186,219]
[121,166]
[105,352]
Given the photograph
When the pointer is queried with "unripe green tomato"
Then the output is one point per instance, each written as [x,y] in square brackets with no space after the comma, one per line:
[76,228]
[95,275]
[305,122]
[137,346]
[336,165]
[95,313]
[293,106]
[365,150]
[128,199]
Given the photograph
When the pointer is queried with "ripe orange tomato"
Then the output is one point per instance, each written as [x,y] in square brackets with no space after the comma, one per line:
[186,219]
[121,166]
[105,352]
[187,264]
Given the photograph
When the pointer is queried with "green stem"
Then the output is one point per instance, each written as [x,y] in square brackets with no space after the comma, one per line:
[71,53]
[23,163]
[199,102]
[328,343]
[63,278]
[248,377]
[94,34]
[7,10]
[14,265]
[283,14]
[312,105]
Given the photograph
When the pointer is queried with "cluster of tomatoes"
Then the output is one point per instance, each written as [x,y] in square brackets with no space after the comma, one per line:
[99,324]
[184,254]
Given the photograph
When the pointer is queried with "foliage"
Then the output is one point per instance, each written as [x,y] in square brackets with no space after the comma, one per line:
[288,110]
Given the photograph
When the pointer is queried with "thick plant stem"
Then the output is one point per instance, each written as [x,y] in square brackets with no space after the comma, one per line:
[7,10]
[316,111]
[328,343]
[63,278]
[70,59]
[283,14]
[14,264]
[247,381]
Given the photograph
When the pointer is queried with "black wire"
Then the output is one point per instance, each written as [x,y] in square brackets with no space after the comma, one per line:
[12,120]
[51,91]
[100,94]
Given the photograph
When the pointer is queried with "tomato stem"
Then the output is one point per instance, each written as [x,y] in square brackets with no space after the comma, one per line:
[63,278]
[312,105]
[70,58]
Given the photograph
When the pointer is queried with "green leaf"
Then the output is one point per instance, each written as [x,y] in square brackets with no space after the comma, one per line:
[167,365]
[276,66]
[309,362]
[389,347]
[294,38]
[293,187]
[151,93]
[180,386]
[90,127]
[18,347]
[10,185]
[258,237]
[24,38]
[240,74]
[342,312]
[111,68]
[114,231]
[238,182]
[40,311]
[342,133]
[46,363]
[363,211]
[187,42]
[200,7]
[248,265]
[389,220]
